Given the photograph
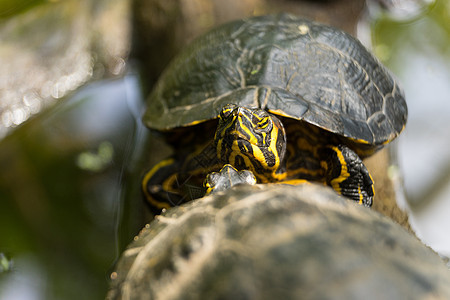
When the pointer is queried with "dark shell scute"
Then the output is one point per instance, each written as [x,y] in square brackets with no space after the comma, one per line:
[328,77]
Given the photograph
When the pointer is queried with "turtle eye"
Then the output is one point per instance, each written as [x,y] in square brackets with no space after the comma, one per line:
[263,123]
[261,119]
[226,111]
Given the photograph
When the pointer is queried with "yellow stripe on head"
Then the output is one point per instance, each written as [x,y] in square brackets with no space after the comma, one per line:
[248,138]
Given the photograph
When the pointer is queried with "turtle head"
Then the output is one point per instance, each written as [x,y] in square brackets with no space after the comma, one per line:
[251,139]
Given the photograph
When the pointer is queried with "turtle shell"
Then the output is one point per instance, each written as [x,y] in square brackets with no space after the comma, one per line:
[277,242]
[289,66]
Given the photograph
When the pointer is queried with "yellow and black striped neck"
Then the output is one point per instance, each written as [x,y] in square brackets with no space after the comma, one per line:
[251,139]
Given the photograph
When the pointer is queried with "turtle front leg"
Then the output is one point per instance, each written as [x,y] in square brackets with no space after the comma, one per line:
[346,173]
[226,178]
[163,186]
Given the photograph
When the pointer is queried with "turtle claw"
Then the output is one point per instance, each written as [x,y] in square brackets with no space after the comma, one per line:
[227,177]
[347,174]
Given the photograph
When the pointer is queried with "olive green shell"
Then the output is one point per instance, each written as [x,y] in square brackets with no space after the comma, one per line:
[287,65]
[277,242]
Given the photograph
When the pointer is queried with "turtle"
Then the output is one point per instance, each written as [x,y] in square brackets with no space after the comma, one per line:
[283,97]
[268,241]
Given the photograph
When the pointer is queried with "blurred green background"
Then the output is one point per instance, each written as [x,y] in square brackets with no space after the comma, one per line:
[62,182]
[417,50]
[9,8]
